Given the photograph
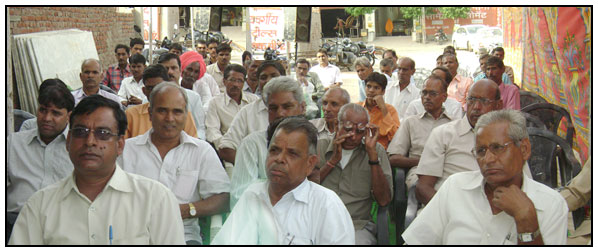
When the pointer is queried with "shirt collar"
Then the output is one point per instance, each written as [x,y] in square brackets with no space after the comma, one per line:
[36,135]
[301,192]
[321,125]
[146,138]
[119,181]
[426,113]
[463,126]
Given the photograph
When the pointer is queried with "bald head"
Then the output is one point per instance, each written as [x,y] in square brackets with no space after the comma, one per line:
[483,97]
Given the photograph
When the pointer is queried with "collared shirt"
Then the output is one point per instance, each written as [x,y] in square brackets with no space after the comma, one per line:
[361,84]
[195,106]
[138,121]
[221,112]
[248,89]
[505,78]
[460,214]
[115,75]
[251,118]
[78,94]
[387,125]
[509,94]
[353,183]
[191,170]
[328,75]
[458,88]
[322,127]
[218,75]
[448,151]
[307,215]
[413,133]
[400,99]
[250,164]
[33,165]
[207,88]
[140,211]
[452,108]
[130,87]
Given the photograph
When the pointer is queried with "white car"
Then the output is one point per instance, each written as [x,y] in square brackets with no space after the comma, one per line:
[466,36]
[490,38]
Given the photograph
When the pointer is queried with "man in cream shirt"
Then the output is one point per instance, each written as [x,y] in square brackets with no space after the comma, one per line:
[99,204]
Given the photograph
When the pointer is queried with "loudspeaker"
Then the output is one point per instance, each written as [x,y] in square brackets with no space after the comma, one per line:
[303,24]
[215,18]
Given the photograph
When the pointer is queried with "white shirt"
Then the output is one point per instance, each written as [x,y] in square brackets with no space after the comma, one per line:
[345,156]
[221,112]
[78,94]
[250,164]
[192,171]
[460,214]
[307,215]
[141,211]
[33,165]
[130,87]
[207,88]
[195,106]
[218,75]
[401,99]
[328,75]
[452,107]
[251,118]
[323,131]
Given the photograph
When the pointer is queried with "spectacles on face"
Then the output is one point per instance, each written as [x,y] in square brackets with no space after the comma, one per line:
[432,94]
[474,100]
[496,149]
[236,80]
[99,134]
[359,128]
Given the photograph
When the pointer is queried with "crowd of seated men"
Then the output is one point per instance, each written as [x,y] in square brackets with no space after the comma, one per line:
[140,153]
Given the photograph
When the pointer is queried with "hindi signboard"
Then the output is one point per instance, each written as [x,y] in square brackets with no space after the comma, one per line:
[267,29]
[146,23]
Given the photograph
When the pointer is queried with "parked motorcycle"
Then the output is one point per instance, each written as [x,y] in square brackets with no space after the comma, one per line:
[440,36]
[367,51]
[207,36]
[342,51]
[274,54]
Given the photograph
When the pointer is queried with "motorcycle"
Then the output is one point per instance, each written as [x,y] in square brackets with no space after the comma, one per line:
[207,36]
[440,36]
[342,52]
[274,54]
[367,51]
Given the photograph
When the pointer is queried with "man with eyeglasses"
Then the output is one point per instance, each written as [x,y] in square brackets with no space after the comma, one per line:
[189,167]
[407,145]
[498,204]
[99,204]
[138,117]
[355,166]
[224,107]
[448,149]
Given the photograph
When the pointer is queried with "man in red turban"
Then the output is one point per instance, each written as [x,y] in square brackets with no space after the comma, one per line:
[195,76]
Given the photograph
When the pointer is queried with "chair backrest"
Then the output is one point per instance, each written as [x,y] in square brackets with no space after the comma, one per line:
[533,121]
[552,115]
[20,117]
[527,98]
[546,147]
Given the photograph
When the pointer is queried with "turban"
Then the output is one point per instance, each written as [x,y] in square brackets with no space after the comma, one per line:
[190,57]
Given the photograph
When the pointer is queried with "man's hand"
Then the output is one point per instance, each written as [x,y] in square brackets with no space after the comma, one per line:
[371,138]
[184,211]
[513,201]
[134,100]
[338,141]
[379,101]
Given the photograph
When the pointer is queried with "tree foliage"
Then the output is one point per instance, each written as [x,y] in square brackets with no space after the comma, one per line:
[415,12]
[358,11]
[454,12]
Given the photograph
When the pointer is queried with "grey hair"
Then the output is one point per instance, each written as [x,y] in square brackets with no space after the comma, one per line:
[282,84]
[352,107]
[517,126]
[362,61]
[162,87]
[88,60]
[298,123]
[344,94]
[386,62]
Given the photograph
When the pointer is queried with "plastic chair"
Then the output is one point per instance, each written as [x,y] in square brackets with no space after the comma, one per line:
[382,226]
[20,116]
[551,115]
[527,98]
[399,203]
[533,121]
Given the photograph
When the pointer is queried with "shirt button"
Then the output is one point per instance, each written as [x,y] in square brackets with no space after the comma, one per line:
[92,208]
[93,236]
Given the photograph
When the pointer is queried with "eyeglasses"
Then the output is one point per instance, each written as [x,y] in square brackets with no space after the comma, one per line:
[348,126]
[474,100]
[236,80]
[99,134]
[495,148]
[428,93]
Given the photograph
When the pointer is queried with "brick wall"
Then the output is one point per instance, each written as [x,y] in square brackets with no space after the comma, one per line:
[108,26]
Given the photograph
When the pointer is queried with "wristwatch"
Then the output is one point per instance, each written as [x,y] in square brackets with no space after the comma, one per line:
[192,211]
[528,237]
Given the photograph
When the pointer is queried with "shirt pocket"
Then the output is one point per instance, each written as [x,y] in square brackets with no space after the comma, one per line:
[186,184]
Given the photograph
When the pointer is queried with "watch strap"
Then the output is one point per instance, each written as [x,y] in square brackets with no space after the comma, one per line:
[529,236]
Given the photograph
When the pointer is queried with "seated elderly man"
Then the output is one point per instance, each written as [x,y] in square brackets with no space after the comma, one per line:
[251,118]
[138,117]
[91,75]
[283,98]
[189,167]
[37,158]
[99,204]
[400,93]
[407,145]
[452,107]
[334,98]
[382,114]
[355,166]
[497,204]
[287,209]
[195,77]
[364,68]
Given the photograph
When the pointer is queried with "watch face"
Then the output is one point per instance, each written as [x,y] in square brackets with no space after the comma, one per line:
[527,237]
[192,212]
